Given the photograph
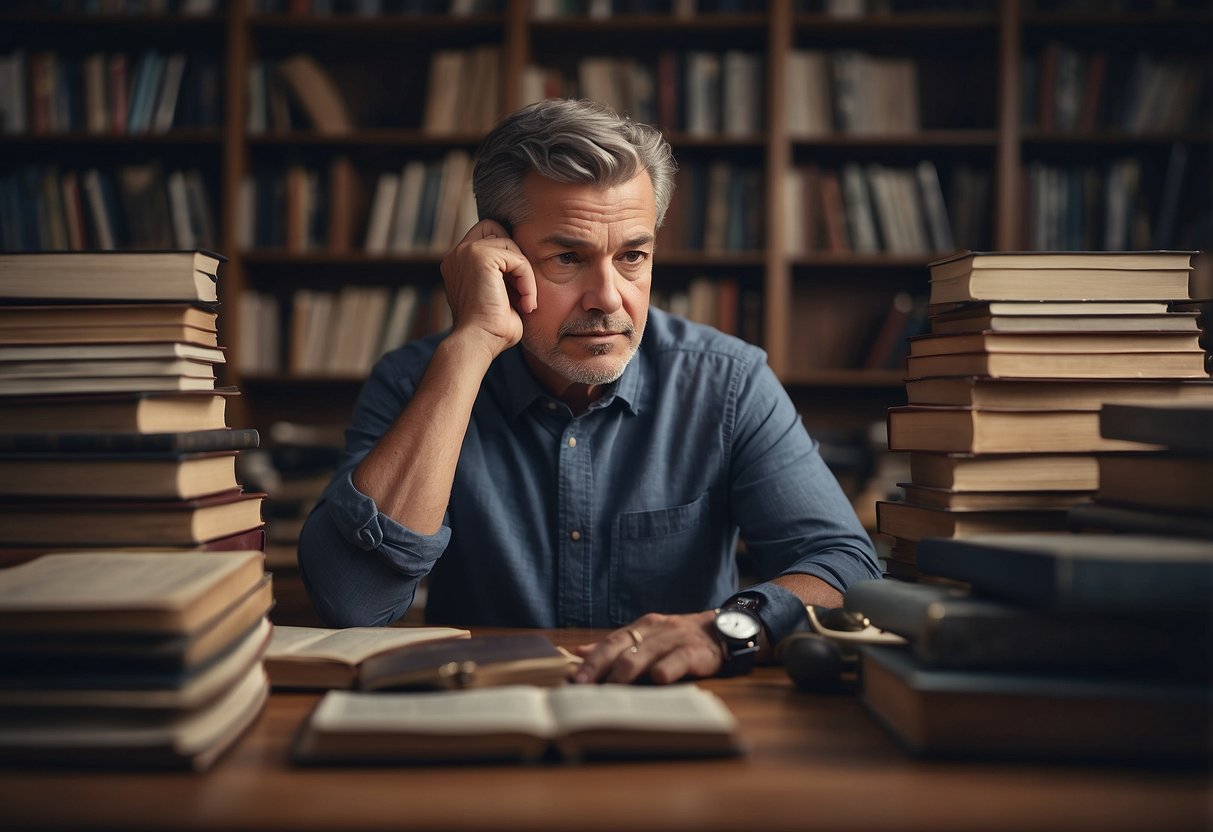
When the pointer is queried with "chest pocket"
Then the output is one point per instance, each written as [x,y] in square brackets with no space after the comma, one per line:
[666,560]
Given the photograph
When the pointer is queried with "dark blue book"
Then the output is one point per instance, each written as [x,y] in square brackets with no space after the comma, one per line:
[1064,571]
[950,627]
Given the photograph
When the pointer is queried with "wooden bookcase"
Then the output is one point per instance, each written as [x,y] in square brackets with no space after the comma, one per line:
[974,77]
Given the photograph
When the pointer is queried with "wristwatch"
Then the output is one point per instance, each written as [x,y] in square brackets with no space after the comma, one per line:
[738,628]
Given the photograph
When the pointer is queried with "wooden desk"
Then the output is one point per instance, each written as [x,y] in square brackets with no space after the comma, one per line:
[814,762]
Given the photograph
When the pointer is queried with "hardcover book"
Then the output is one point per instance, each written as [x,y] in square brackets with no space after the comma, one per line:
[67,522]
[990,714]
[953,627]
[315,657]
[1079,571]
[166,593]
[111,275]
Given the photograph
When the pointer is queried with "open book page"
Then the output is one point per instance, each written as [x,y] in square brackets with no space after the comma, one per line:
[351,645]
[675,708]
[516,709]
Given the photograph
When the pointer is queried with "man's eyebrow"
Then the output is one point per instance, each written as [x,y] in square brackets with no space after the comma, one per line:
[574,242]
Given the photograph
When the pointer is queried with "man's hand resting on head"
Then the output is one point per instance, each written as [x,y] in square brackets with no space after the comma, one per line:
[489,285]
[661,648]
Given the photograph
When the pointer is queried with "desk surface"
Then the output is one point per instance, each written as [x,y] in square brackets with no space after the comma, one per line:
[813,762]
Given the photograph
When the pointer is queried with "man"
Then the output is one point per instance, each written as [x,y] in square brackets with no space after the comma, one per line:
[566,457]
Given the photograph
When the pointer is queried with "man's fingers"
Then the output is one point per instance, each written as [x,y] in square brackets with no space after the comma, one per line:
[483,230]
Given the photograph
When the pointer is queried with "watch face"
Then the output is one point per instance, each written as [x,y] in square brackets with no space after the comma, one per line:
[737,624]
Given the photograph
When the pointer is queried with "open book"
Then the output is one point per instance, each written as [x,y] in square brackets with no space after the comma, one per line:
[518,722]
[315,657]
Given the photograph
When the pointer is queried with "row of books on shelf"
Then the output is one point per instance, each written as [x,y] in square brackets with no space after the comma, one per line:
[376,8]
[872,208]
[726,303]
[1067,89]
[840,327]
[849,91]
[46,208]
[122,7]
[717,206]
[427,207]
[1122,205]
[337,334]
[601,9]
[698,92]
[43,92]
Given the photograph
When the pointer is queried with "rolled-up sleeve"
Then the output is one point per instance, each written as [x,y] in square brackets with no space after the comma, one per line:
[361,567]
[794,516]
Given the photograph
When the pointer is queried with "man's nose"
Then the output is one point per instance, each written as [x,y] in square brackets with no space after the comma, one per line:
[602,289]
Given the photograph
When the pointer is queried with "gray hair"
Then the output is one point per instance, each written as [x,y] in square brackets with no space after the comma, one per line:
[576,142]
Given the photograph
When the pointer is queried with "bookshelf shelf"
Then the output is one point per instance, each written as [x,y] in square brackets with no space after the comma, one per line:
[925,139]
[386,137]
[880,24]
[182,137]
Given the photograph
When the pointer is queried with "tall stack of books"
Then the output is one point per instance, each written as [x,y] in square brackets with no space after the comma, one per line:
[118,644]
[1167,492]
[131,659]
[112,431]
[1094,646]
[1002,424]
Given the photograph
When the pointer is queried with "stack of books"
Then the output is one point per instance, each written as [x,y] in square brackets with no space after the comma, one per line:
[131,659]
[1092,646]
[1002,424]
[1166,492]
[112,430]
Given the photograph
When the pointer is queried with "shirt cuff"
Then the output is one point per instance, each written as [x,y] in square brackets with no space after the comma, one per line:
[782,611]
[359,521]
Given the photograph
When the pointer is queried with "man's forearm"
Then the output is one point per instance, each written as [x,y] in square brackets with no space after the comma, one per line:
[410,470]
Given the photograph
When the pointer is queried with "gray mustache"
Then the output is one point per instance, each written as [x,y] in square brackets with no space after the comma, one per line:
[604,323]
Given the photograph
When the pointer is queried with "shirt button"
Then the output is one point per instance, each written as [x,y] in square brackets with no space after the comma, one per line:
[551,405]
[572,442]
[575,535]
[367,537]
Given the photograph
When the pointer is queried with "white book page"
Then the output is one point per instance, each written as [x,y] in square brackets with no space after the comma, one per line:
[674,708]
[511,708]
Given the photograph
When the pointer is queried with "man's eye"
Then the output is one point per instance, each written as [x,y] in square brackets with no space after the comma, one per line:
[635,257]
[568,258]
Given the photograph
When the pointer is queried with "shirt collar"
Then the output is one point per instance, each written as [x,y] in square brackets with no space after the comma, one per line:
[523,389]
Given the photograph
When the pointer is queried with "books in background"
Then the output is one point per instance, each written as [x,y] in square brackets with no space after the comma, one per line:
[1003,425]
[869,208]
[726,303]
[849,91]
[1058,645]
[697,92]
[1082,91]
[124,659]
[426,207]
[43,92]
[339,333]
[1128,203]
[118,438]
[376,8]
[717,207]
[46,208]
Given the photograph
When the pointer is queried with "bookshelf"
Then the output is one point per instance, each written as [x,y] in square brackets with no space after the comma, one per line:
[717,80]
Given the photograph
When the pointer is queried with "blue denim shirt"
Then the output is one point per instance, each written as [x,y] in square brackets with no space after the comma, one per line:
[634,506]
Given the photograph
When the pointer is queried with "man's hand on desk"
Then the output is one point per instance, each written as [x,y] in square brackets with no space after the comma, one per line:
[663,648]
